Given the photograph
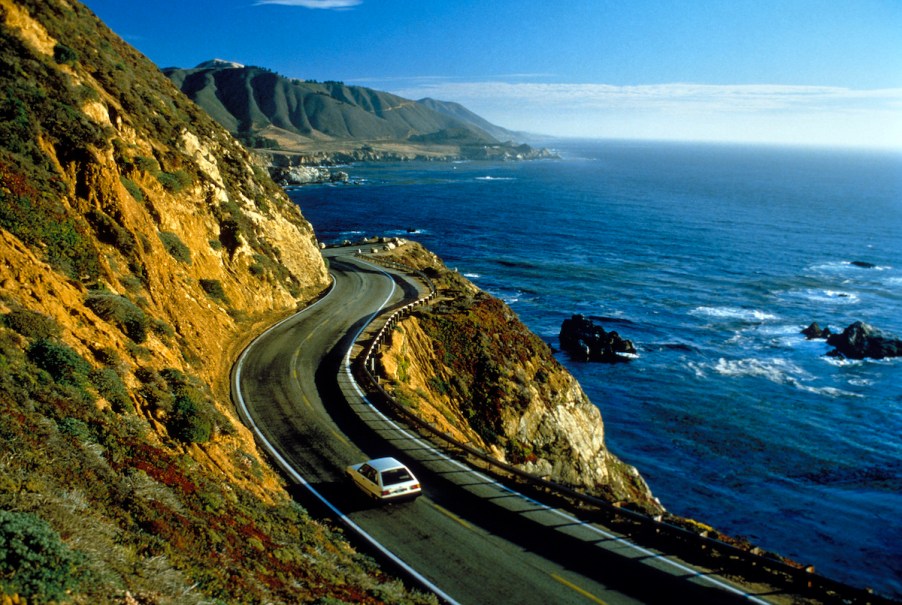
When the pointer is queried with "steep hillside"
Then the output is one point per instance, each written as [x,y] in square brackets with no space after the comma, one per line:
[460,112]
[246,100]
[468,365]
[139,249]
[306,122]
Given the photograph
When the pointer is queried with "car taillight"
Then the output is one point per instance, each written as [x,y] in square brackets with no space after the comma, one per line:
[385,492]
[415,486]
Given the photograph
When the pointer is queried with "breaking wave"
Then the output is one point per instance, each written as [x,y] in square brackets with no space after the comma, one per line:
[776,370]
[733,313]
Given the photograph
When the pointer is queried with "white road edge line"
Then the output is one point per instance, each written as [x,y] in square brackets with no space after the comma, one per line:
[286,466]
[428,446]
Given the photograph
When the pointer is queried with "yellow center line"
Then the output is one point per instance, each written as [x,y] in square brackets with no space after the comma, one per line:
[450,515]
[340,437]
[576,588]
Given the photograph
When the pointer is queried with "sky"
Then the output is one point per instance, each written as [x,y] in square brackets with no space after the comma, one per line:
[803,72]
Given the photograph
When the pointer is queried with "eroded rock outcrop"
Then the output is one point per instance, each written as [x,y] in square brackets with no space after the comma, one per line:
[584,339]
[815,332]
[861,340]
[469,365]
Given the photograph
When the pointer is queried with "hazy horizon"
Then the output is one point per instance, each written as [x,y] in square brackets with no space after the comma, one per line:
[804,72]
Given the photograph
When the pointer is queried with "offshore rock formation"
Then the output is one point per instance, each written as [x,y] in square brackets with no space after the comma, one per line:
[861,340]
[584,339]
[470,366]
[306,175]
[815,332]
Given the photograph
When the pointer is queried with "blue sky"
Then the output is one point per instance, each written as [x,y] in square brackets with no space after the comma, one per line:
[822,72]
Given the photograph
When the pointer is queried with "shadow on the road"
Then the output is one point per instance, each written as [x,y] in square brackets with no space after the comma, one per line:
[630,575]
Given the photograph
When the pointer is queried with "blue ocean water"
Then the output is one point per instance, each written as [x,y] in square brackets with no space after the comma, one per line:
[711,258]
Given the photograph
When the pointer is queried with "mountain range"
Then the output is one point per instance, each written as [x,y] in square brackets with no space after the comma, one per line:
[271,112]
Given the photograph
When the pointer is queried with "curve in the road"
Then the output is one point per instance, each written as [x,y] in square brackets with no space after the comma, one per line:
[289,469]
[528,511]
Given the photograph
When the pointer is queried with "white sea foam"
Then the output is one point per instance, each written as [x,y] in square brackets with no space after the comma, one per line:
[472,275]
[733,313]
[775,369]
[495,178]
[826,296]
[844,266]
[842,362]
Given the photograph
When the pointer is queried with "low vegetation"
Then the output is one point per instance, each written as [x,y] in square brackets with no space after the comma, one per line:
[94,505]
[124,476]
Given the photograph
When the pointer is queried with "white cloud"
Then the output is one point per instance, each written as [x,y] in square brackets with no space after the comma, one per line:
[763,113]
[324,4]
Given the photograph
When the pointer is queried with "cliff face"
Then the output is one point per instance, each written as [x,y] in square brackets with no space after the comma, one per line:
[139,249]
[469,365]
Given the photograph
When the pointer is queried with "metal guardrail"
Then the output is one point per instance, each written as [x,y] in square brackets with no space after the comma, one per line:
[637,525]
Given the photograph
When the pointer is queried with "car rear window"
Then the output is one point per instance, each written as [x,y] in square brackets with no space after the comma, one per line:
[395,475]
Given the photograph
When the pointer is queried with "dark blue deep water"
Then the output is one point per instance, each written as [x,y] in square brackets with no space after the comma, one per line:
[711,259]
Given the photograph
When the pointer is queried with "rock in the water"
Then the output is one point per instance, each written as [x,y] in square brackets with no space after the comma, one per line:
[863,264]
[861,340]
[583,338]
[814,331]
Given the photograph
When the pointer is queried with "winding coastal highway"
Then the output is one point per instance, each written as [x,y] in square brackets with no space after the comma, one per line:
[468,538]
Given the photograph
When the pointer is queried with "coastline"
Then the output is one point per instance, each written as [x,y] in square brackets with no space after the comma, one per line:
[659,409]
[747,557]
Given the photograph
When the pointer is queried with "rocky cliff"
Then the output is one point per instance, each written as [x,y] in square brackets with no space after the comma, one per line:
[469,365]
[139,249]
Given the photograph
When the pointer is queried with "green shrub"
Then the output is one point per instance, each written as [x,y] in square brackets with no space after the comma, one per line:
[175,247]
[109,384]
[161,328]
[75,428]
[34,562]
[69,250]
[154,390]
[175,181]
[122,312]
[149,165]
[110,232]
[62,362]
[132,187]
[31,324]
[86,93]
[64,54]
[189,422]
[193,416]
[213,288]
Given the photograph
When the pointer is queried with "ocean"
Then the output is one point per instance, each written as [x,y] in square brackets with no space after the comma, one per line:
[711,259]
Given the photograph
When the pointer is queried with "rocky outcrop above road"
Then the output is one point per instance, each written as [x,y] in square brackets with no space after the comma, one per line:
[861,340]
[582,338]
[468,365]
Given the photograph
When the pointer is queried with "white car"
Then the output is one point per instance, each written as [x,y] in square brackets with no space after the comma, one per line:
[385,479]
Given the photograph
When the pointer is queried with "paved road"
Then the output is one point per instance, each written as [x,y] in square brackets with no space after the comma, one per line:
[468,538]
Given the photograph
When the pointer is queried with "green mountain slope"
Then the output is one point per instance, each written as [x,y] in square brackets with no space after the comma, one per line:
[458,111]
[248,100]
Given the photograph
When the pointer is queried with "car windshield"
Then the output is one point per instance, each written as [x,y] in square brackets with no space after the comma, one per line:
[395,475]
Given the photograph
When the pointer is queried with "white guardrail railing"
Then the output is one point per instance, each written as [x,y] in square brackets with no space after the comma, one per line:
[651,530]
